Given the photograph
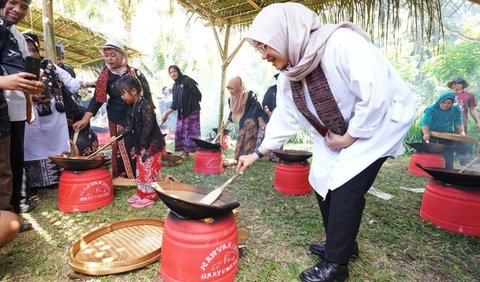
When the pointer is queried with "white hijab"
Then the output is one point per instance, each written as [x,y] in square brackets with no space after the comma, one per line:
[294,31]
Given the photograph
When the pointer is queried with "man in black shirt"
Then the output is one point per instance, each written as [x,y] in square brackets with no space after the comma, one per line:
[269,102]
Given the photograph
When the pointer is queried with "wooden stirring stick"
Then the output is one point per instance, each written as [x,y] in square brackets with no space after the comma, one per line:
[469,164]
[211,197]
[105,146]
[222,127]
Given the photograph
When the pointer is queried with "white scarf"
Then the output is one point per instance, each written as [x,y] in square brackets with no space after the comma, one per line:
[294,31]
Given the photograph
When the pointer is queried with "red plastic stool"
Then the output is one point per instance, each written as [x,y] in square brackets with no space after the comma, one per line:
[426,160]
[452,209]
[292,178]
[208,161]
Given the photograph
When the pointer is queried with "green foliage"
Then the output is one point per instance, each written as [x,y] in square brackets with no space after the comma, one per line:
[303,136]
[456,60]
[414,134]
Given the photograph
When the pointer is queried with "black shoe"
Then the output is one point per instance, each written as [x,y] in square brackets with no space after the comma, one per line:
[26,208]
[24,227]
[319,250]
[325,271]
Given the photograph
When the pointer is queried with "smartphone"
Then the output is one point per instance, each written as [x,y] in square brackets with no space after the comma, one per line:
[58,51]
[32,65]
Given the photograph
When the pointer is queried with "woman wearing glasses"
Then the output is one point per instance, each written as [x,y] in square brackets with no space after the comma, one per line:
[336,84]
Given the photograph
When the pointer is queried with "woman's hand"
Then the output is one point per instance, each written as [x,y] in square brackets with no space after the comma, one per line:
[426,137]
[79,125]
[164,118]
[337,142]
[246,161]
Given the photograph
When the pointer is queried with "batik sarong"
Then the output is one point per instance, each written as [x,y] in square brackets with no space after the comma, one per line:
[247,138]
[123,154]
[42,173]
[186,129]
[148,171]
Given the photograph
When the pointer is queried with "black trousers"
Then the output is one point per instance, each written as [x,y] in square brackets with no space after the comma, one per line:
[19,191]
[448,155]
[5,174]
[342,213]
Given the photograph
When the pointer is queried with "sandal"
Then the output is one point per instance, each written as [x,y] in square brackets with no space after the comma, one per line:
[142,203]
[133,199]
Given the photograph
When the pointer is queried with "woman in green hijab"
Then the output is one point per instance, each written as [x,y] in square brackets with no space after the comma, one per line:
[443,116]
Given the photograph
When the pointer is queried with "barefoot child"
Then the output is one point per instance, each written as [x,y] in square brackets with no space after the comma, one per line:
[148,138]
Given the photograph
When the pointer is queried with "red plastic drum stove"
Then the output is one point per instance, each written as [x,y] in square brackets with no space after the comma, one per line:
[451,208]
[426,160]
[208,161]
[84,190]
[199,250]
[292,178]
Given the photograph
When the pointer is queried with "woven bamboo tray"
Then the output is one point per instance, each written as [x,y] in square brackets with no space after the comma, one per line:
[121,182]
[172,160]
[454,137]
[119,247]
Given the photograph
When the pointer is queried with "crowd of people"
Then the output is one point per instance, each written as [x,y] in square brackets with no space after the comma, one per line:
[349,103]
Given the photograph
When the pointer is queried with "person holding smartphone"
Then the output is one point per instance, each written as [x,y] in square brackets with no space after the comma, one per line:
[12,77]
[48,134]
[19,106]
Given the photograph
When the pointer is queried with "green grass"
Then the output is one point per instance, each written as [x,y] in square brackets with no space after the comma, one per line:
[395,244]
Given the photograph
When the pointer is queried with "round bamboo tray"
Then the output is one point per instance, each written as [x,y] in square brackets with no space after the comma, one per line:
[172,160]
[121,182]
[119,247]
[454,137]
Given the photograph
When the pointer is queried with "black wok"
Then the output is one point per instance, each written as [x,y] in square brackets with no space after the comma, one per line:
[292,155]
[430,148]
[206,144]
[452,176]
[183,199]
[79,163]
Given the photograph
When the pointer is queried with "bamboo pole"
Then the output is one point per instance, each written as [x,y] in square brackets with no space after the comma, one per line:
[224,74]
[48,30]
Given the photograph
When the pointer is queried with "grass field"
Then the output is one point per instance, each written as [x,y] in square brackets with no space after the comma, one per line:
[395,244]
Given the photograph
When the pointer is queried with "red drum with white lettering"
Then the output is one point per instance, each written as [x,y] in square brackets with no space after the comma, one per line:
[199,250]
[84,190]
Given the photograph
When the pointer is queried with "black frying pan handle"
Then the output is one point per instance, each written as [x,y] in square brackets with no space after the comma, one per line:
[172,178]
[419,165]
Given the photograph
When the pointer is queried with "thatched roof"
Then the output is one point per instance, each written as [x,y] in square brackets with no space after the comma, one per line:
[379,17]
[81,44]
